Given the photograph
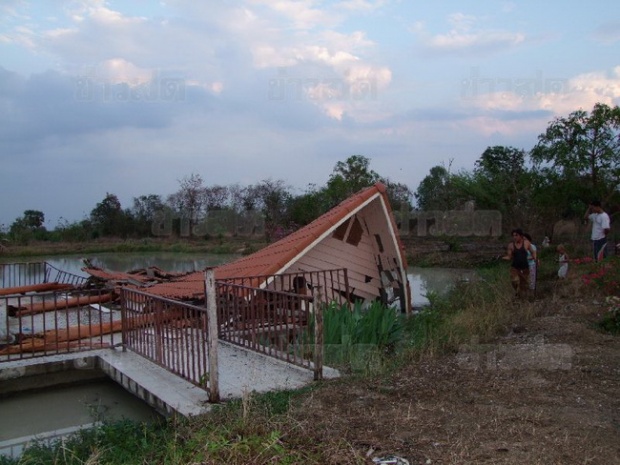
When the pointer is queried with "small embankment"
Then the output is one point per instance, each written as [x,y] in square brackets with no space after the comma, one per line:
[453,252]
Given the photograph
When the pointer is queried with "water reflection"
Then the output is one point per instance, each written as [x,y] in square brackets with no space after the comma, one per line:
[167,261]
[436,280]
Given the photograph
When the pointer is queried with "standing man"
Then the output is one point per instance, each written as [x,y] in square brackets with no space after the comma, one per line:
[519,266]
[600,228]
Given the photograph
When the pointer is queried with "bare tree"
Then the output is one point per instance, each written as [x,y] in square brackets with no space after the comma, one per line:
[216,197]
[190,200]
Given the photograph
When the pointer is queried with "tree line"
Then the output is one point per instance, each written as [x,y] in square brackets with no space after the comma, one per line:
[197,210]
[575,160]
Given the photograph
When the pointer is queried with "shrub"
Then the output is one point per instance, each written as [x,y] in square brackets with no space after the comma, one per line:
[611,320]
[358,339]
[604,276]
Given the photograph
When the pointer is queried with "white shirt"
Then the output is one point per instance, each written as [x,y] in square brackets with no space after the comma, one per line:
[600,222]
[563,271]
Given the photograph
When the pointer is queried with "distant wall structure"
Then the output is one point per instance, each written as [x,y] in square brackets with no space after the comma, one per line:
[458,223]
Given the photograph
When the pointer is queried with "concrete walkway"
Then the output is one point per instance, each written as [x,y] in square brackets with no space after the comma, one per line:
[240,372]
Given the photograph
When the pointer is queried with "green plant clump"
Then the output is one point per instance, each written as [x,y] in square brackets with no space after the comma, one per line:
[611,320]
[359,338]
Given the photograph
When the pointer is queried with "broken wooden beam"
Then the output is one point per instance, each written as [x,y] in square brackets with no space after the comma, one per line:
[43,287]
[58,304]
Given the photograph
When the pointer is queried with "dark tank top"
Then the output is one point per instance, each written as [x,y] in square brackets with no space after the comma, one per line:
[519,257]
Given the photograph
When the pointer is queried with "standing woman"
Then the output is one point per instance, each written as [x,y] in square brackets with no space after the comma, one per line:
[519,265]
[532,262]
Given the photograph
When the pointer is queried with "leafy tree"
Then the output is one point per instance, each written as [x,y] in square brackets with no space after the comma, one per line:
[502,173]
[581,153]
[434,191]
[108,218]
[305,208]
[33,219]
[501,162]
[146,206]
[400,195]
[349,177]
[144,213]
[29,226]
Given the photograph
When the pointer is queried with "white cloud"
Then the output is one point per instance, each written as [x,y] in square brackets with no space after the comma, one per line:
[300,14]
[459,41]
[587,89]
[465,37]
[500,109]
[461,22]
[361,5]
[118,70]
[20,35]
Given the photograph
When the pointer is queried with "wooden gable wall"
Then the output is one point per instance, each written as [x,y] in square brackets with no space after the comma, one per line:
[354,246]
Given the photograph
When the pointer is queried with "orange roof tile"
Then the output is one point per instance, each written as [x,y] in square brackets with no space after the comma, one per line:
[114,275]
[273,258]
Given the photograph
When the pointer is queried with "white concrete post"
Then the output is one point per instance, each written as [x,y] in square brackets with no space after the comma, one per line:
[211,301]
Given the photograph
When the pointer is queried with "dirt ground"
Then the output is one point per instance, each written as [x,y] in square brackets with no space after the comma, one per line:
[546,392]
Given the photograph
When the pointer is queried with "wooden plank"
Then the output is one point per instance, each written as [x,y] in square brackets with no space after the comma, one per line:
[356,273]
[59,304]
[337,257]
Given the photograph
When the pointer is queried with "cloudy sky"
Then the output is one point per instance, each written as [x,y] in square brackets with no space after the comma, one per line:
[129,97]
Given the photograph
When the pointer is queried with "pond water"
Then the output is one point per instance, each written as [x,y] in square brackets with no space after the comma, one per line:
[424,281]
[52,413]
[421,280]
[167,261]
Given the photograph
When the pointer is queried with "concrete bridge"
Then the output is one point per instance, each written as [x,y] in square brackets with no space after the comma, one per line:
[241,372]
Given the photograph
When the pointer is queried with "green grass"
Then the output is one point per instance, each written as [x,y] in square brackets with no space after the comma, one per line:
[361,340]
[120,442]
[479,310]
[215,246]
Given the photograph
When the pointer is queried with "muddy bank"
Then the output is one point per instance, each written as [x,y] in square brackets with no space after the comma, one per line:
[453,252]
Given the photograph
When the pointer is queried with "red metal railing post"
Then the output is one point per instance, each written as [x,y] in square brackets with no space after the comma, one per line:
[124,325]
[318,336]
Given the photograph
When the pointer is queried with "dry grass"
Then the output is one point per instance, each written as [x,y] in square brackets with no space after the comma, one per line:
[538,386]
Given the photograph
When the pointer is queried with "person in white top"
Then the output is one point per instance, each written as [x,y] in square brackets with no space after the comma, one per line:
[600,228]
[563,260]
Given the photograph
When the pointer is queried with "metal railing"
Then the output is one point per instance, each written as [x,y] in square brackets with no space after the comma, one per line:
[21,274]
[31,273]
[55,275]
[50,323]
[170,333]
[328,285]
[282,325]
[176,335]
